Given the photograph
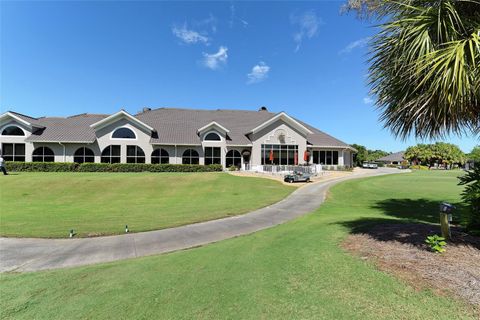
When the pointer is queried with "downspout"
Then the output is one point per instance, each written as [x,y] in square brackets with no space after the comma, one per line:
[64,154]
[176,155]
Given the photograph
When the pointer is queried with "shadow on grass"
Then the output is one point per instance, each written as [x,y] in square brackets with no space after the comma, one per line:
[417,210]
[415,220]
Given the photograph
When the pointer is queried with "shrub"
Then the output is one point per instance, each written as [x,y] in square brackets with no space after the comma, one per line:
[471,195]
[436,243]
[232,168]
[41,166]
[107,167]
[419,167]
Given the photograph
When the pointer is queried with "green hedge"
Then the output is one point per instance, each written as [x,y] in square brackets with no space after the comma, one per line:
[41,166]
[107,167]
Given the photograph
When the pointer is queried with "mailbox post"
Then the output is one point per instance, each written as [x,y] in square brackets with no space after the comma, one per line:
[445,219]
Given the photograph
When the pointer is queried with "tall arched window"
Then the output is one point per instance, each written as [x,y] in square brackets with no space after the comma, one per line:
[43,154]
[233,158]
[135,154]
[212,136]
[111,154]
[123,133]
[13,131]
[190,156]
[160,156]
[83,154]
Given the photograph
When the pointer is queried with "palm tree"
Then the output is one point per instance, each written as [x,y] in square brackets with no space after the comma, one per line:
[425,65]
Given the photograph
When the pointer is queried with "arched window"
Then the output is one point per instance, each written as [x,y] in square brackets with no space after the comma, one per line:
[160,156]
[135,154]
[13,131]
[190,156]
[83,154]
[212,136]
[43,154]
[111,154]
[123,133]
[233,158]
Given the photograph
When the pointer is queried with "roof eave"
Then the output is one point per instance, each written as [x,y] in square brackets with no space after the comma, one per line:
[110,119]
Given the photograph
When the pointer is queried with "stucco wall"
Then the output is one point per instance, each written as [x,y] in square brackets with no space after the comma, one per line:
[269,135]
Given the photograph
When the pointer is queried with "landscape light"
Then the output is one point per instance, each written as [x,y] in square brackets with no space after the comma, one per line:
[126,228]
[71,233]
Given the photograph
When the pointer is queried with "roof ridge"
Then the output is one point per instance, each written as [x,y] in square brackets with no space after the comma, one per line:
[23,115]
[200,109]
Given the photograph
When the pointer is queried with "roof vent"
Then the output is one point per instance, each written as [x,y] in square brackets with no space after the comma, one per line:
[263,108]
[145,109]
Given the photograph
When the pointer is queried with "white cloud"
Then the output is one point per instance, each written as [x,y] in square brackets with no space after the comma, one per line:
[360,43]
[308,22]
[215,60]
[367,100]
[189,36]
[259,73]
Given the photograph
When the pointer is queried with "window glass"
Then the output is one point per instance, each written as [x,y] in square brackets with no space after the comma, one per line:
[111,154]
[43,154]
[233,158]
[335,158]
[212,155]
[124,133]
[135,154]
[160,156]
[190,156]
[212,136]
[279,154]
[83,155]
[322,158]
[12,131]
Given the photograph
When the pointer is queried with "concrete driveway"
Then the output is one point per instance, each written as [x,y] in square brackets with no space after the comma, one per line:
[27,254]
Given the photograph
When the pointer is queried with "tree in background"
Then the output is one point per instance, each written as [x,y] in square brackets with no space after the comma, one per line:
[425,64]
[365,154]
[474,154]
[440,153]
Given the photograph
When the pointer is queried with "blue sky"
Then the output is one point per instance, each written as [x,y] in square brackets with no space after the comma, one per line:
[62,58]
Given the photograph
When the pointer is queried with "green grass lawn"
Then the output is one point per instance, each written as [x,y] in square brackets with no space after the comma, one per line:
[293,271]
[50,204]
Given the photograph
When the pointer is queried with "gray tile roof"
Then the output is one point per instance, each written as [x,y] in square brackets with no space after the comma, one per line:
[173,126]
[33,121]
[70,129]
[397,156]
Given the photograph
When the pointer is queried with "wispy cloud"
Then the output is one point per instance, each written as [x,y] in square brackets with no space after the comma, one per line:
[367,100]
[259,73]
[214,61]
[189,36]
[233,17]
[210,22]
[308,23]
[360,43]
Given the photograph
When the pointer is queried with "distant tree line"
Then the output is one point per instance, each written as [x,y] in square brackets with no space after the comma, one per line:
[438,154]
[365,154]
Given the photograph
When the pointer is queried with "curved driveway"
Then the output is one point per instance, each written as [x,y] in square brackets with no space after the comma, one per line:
[26,254]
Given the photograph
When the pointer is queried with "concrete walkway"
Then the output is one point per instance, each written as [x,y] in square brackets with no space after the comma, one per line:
[26,254]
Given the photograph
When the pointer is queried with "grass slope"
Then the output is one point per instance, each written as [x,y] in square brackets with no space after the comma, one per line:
[50,204]
[293,271]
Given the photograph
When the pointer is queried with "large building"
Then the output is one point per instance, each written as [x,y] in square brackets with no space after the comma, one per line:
[176,136]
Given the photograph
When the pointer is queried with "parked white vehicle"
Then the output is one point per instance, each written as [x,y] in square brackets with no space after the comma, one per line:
[369,165]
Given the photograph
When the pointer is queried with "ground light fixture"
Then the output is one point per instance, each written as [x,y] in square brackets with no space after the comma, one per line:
[445,219]
[126,228]
[71,233]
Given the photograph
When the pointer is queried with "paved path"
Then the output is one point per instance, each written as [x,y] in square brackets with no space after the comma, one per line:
[26,254]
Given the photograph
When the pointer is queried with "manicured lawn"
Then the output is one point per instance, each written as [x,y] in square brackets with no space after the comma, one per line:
[50,204]
[293,271]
